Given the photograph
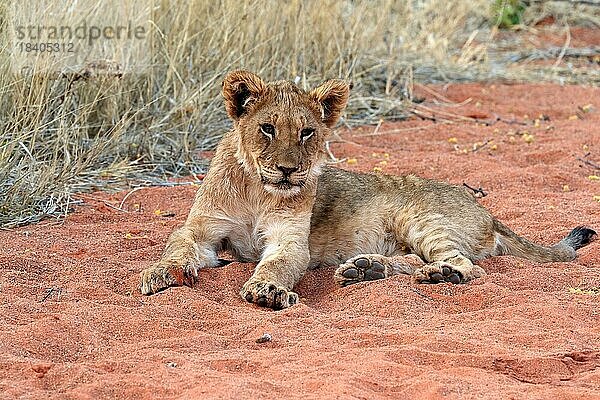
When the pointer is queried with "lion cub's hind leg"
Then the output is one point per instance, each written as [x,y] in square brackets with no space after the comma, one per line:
[369,267]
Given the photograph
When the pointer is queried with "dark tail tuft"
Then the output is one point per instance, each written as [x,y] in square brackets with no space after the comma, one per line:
[579,237]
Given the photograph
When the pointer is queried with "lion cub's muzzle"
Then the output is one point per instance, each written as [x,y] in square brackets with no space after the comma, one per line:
[281,180]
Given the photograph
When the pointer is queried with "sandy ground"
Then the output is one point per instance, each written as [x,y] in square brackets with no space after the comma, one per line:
[73,325]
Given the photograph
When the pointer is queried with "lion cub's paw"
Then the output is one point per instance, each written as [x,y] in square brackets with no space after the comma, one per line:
[364,267]
[369,267]
[267,294]
[440,272]
[159,277]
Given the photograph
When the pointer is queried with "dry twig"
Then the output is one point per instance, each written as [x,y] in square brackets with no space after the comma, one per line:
[589,163]
[479,192]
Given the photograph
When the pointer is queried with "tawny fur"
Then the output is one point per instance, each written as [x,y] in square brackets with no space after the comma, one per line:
[268,198]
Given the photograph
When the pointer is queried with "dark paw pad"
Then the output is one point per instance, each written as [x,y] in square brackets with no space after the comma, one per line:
[350,273]
[372,275]
[377,267]
[453,278]
[372,270]
[361,269]
[361,263]
[447,275]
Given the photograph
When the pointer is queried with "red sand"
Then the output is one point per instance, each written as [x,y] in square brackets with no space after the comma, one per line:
[517,333]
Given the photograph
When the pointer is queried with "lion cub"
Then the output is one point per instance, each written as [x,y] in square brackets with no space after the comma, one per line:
[268,198]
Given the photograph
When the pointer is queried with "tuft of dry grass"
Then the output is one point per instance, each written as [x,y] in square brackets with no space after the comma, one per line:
[75,132]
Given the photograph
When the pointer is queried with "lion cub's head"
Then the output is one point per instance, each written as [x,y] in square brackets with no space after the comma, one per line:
[282,129]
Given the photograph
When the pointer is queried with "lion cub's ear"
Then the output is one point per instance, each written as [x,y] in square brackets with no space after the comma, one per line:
[240,89]
[332,96]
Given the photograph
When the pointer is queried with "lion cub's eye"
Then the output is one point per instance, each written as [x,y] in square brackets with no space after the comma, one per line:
[268,130]
[306,134]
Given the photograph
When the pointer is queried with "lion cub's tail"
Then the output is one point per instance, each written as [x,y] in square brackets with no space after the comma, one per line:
[509,243]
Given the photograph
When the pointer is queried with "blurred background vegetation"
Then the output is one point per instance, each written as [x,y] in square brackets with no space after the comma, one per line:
[63,134]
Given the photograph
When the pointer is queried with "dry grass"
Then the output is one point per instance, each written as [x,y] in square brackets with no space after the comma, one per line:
[65,135]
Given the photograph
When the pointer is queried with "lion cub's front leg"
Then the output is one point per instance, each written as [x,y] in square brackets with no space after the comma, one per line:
[188,249]
[284,261]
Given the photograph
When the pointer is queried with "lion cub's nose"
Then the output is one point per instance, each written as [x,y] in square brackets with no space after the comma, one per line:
[287,171]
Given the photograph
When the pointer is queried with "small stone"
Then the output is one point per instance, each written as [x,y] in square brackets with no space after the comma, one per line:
[266,337]
[528,138]
[41,369]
